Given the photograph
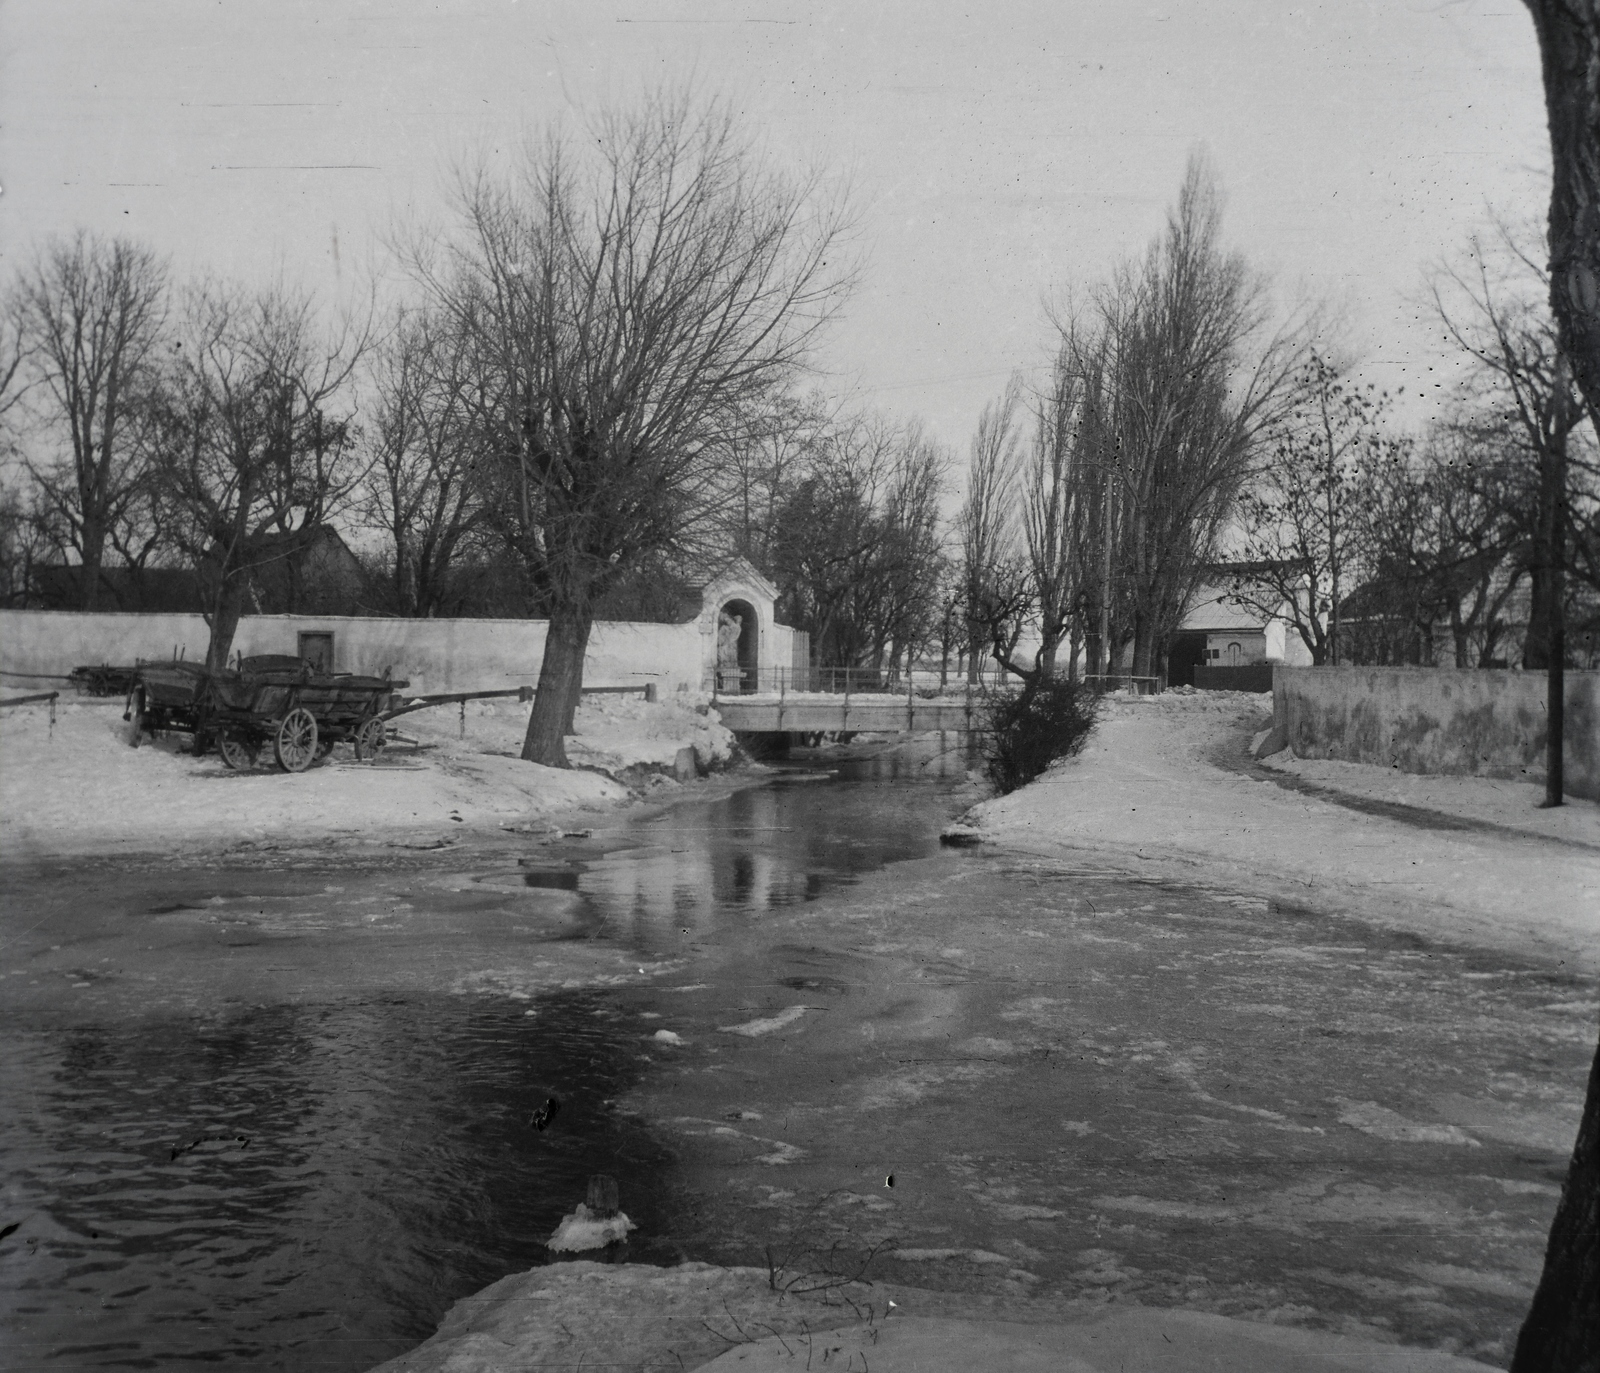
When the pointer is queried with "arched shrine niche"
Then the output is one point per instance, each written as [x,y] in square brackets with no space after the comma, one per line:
[738,647]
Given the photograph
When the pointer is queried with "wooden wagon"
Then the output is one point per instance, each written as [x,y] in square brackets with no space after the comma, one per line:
[271,701]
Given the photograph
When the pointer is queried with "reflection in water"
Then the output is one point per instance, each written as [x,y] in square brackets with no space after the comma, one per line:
[769,847]
[552,881]
[296,1185]
[285,1183]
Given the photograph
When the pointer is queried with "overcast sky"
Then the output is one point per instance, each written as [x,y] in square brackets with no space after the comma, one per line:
[996,150]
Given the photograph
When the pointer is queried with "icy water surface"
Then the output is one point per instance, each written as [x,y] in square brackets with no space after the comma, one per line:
[280,1119]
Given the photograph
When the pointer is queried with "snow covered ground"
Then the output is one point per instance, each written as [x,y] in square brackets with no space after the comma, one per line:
[651,1320]
[77,787]
[1154,792]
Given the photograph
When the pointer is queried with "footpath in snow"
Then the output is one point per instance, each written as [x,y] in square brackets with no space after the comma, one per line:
[77,787]
[1166,787]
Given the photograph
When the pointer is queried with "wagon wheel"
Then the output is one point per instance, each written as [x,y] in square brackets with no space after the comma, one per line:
[239,754]
[371,739]
[295,744]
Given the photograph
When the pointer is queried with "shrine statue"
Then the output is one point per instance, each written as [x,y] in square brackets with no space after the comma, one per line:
[729,628]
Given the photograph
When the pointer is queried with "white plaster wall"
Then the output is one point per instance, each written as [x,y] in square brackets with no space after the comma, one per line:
[434,655]
[1252,647]
[1295,652]
[50,643]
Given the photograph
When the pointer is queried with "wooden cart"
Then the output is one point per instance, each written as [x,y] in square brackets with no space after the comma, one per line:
[281,702]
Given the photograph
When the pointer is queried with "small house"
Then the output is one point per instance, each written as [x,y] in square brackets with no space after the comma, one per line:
[1228,642]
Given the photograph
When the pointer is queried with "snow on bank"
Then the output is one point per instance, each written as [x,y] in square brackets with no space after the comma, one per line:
[1147,795]
[79,787]
[635,1317]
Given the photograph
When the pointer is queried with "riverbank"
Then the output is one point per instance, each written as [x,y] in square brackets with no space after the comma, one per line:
[1166,787]
[71,785]
[698,1316]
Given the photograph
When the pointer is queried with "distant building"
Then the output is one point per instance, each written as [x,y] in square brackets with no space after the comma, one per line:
[311,573]
[1223,630]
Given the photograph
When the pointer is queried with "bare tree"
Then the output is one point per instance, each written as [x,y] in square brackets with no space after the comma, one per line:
[780,447]
[631,298]
[253,449]
[1444,541]
[421,488]
[13,356]
[1198,380]
[996,590]
[1058,504]
[1496,310]
[855,544]
[23,546]
[91,316]
[1302,518]
[905,593]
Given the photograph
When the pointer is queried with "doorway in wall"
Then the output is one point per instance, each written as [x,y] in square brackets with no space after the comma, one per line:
[316,647]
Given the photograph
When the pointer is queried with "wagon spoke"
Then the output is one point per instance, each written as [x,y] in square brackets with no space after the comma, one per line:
[296,742]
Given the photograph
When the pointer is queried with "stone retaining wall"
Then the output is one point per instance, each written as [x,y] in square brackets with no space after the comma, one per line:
[1482,722]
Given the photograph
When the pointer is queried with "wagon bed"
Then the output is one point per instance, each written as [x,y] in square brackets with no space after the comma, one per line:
[275,701]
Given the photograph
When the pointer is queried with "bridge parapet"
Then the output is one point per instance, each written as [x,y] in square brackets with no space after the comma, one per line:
[834,713]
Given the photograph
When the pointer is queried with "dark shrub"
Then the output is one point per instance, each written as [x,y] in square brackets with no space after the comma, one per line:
[1046,720]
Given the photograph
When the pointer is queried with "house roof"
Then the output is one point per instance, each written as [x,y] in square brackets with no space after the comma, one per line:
[733,569]
[1218,608]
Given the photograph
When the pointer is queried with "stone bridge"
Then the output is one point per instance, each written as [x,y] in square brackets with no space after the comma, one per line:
[819,713]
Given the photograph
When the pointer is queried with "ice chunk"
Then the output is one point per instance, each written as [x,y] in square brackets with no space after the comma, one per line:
[584,1230]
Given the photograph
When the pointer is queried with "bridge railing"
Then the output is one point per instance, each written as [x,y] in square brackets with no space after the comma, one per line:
[852,681]
[779,681]
[1139,686]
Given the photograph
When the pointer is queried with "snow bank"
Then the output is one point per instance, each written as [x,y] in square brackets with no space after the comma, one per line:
[1165,788]
[631,1316]
[77,787]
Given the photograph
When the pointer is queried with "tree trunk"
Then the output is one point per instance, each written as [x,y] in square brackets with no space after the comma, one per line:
[560,686]
[1562,1331]
[1555,715]
[94,542]
[1461,635]
[226,609]
[1143,644]
[1536,644]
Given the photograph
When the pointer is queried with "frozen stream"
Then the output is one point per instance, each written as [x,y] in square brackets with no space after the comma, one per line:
[274,1112]
[277,1115]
